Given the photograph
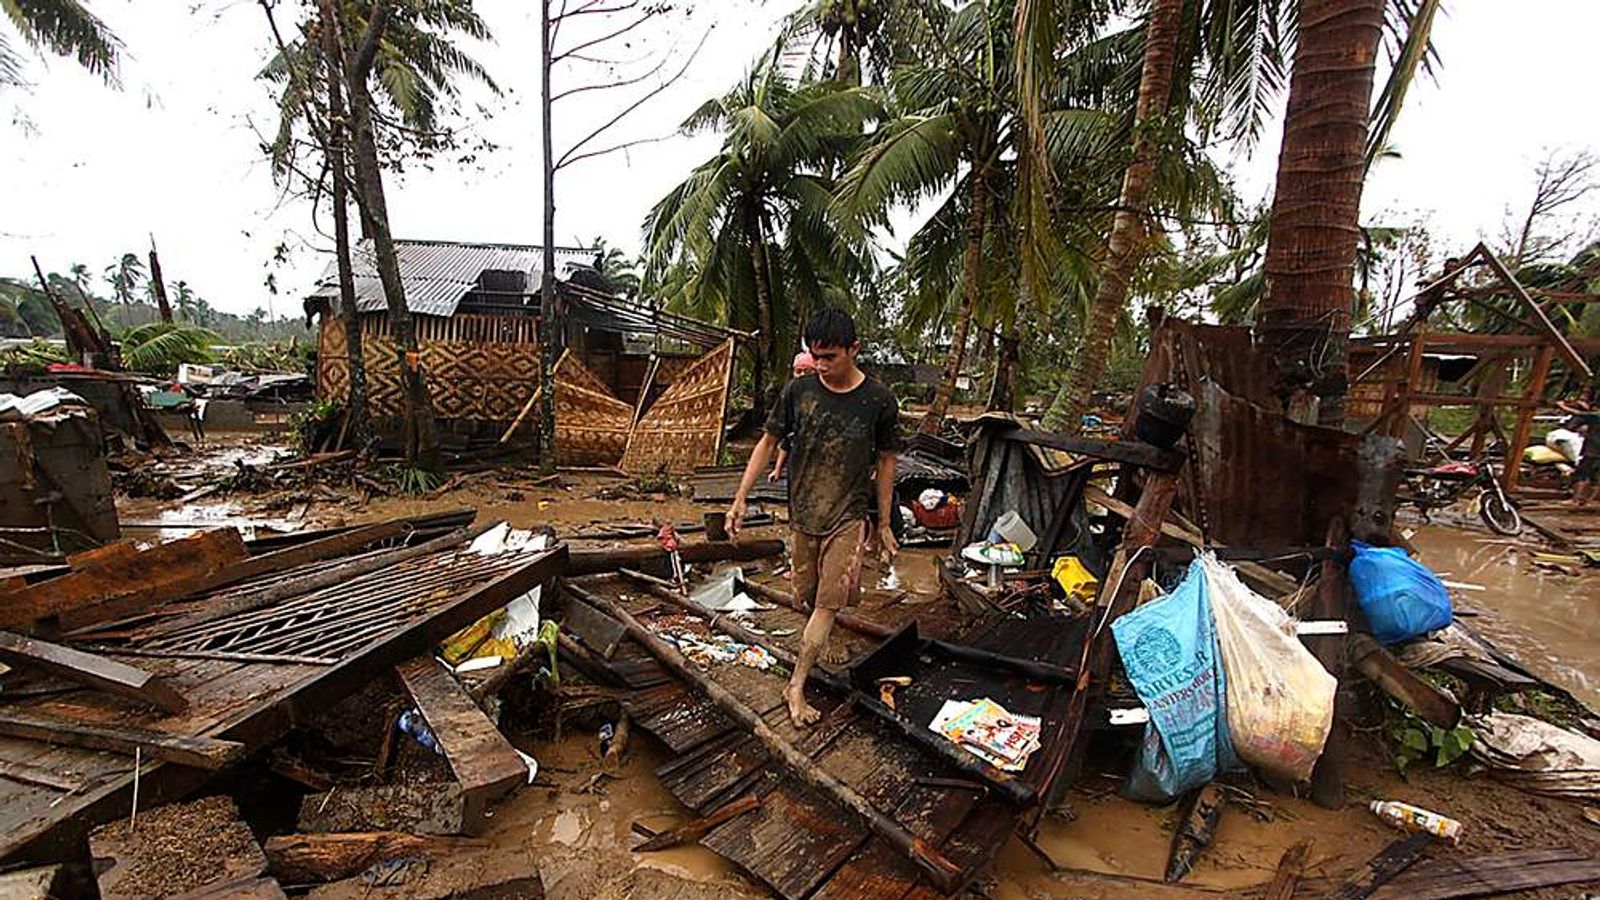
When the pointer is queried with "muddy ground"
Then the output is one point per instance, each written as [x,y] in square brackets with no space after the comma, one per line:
[576,833]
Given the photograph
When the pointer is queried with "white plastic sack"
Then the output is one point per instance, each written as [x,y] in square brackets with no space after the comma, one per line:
[1280,698]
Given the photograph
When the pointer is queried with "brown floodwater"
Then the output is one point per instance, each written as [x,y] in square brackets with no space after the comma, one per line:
[1546,620]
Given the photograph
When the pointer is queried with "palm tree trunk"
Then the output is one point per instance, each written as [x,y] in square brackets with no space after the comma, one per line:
[971,261]
[1003,386]
[762,351]
[421,431]
[1311,247]
[333,54]
[1129,231]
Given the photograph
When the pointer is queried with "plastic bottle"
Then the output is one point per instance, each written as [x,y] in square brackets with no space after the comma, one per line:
[1416,819]
[411,723]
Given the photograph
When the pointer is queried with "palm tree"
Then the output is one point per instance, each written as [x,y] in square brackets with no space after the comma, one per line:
[157,348]
[124,275]
[751,234]
[851,41]
[184,300]
[620,270]
[63,27]
[1311,244]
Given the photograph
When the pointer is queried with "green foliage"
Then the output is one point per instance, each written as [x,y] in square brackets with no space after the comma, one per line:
[34,356]
[160,347]
[62,27]
[415,482]
[1415,740]
[313,424]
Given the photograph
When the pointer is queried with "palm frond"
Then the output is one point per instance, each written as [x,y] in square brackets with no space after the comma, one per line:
[1413,18]
[66,28]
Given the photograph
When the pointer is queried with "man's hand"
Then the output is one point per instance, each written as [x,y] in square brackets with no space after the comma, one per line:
[774,475]
[735,517]
[888,547]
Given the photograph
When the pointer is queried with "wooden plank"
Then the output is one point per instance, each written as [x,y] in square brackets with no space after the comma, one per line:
[1390,861]
[694,829]
[122,585]
[483,761]
[189,750]
[1519,439]
[309,858]
[1433,705]
[1492,875]
[23,773]
[1291,866]
[599,632]
[90,670]
[1135,453]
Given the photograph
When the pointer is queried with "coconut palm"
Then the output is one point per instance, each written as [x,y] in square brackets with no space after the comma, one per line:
[750,236]
[158,348]
[124,276]
[62,27]
[851,41]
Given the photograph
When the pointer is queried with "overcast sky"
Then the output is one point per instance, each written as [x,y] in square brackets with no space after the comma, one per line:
[91,172]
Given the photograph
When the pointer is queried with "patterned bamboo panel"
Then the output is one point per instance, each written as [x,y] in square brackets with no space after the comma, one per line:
[592,425]
[683,428]
[479,368]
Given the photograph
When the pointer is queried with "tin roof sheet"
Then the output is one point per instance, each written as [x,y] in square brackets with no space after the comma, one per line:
[437,274]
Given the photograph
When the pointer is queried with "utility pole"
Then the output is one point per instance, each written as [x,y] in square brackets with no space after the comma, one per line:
[547,274]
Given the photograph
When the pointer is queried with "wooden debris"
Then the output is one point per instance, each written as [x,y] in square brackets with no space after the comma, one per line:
[171,850]
[694,830]
[121,584]
[34,884]
[22,773]
[430,808]
[243,888]
[188,750]
[941,870]
[1417,693]
[300,773]
[1291,866]
[1390,861]
[482,760]
[846,620]
[1196,826]
[649,556]
[310,858]
[1493,874]
[90,670]
[598,632]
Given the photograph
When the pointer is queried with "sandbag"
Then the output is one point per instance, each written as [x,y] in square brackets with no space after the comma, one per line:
[1279,697]
[1400,597]
[1169,650]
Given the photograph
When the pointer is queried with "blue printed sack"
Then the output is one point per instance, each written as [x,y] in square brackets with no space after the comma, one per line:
[1169,650]
[1400,597]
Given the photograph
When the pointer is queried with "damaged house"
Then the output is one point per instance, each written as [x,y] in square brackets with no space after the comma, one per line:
[632,381]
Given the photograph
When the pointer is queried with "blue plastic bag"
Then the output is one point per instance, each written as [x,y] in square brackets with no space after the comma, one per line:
[1400,597]
[1169,650]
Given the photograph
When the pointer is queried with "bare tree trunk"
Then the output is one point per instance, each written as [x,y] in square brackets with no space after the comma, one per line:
[1003,386]
[762,350]
[971,261]
[158,287]
[1311,247]
[421,431]
[333,54]
[547,268]
[1129,230]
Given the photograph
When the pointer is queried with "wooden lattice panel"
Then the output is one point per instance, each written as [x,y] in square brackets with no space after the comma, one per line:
[479,368]
[683,428]
[592,425]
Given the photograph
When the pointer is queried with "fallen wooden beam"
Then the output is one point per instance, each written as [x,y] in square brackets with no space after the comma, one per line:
[482,760]
[313,858]
[22,773]
[846,620]
[1417,693]
[695,829]
[120,584]
[1493,874]
[90,670]
[188,750]
[1137,453]
[591,562]
[944,874]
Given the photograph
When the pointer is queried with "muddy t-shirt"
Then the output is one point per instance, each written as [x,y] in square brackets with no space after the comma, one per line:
[836,440]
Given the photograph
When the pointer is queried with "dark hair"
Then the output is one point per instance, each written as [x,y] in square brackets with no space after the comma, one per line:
[830,328]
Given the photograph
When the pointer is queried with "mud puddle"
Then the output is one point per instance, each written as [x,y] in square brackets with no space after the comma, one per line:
[1548,621]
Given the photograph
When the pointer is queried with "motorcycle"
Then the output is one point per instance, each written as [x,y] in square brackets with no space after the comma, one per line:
[1443,485]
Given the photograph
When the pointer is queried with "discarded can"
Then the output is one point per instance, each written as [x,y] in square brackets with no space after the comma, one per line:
[1416,819]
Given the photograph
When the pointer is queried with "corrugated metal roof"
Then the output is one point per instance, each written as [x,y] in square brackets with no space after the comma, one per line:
[437,274]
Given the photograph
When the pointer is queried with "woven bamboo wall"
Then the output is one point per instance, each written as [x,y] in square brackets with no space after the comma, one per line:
[591,424]
[683,428]
[481,369]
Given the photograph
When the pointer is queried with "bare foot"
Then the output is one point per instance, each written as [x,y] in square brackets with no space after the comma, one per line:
[801,713]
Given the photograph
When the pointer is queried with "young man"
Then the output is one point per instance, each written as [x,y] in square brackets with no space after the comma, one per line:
[843,425]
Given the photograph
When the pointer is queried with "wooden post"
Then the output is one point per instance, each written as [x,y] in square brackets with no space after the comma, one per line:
[1331,602]
[1530,402]
[92,671]
[944,874]
[1397,427]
